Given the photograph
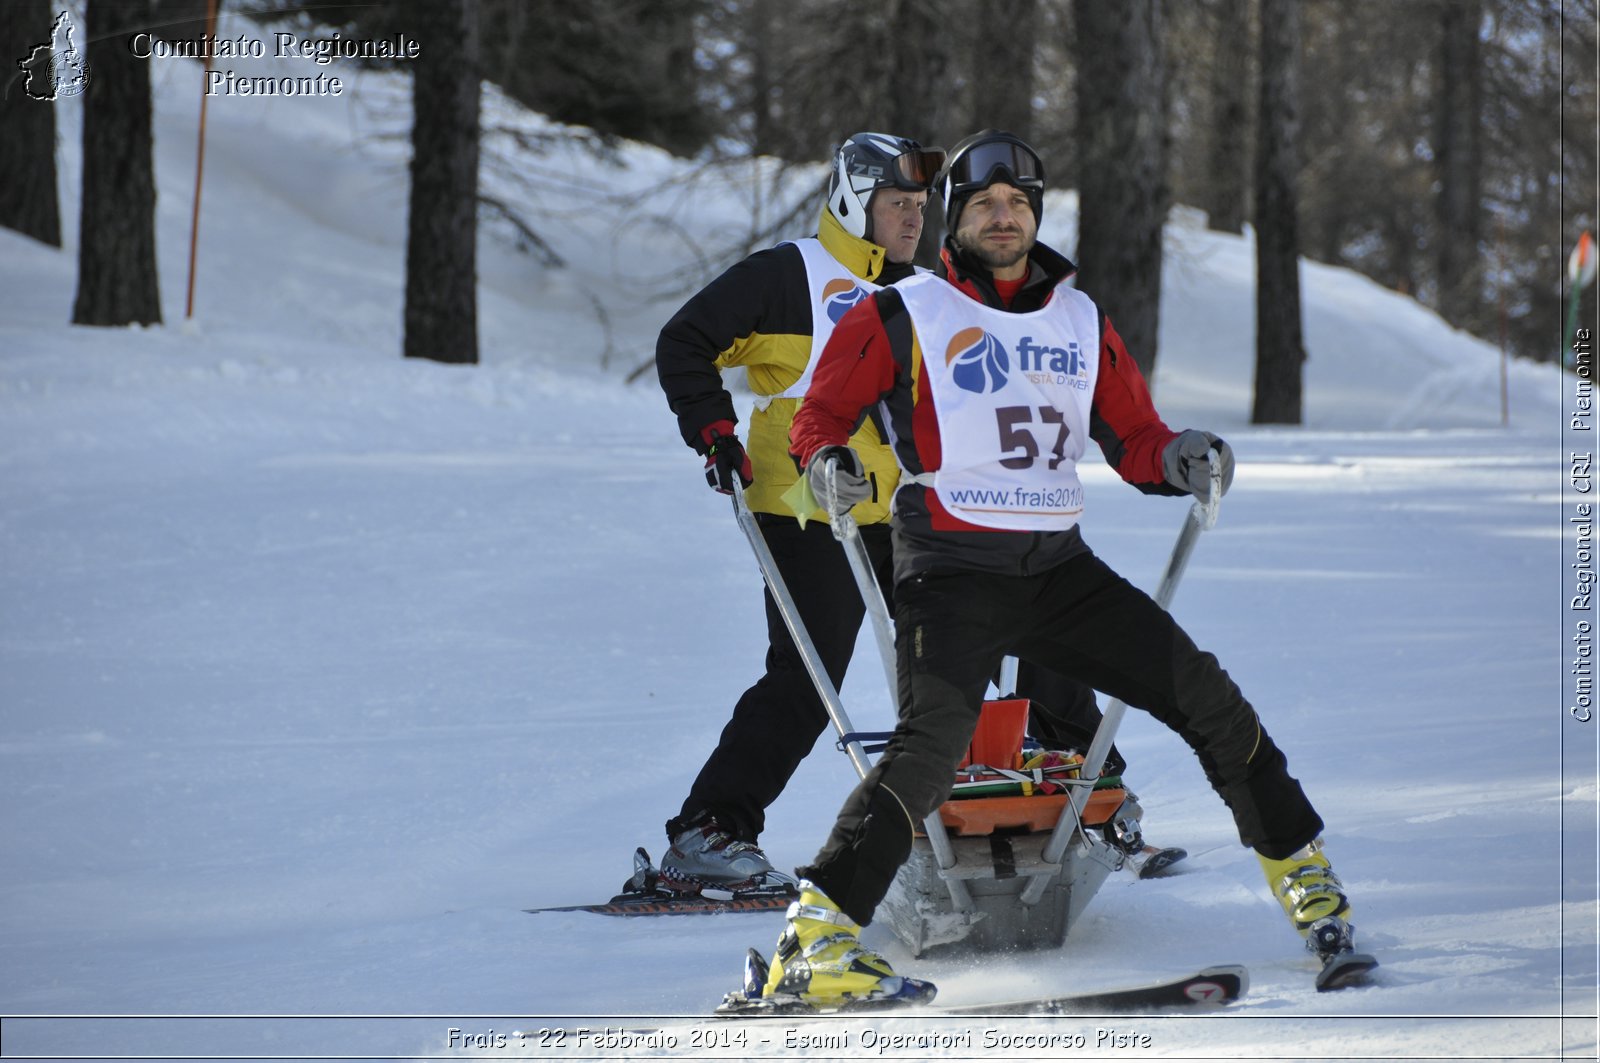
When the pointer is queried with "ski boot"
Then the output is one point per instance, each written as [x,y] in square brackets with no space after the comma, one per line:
[705,855]
[1314,900]
[821,966]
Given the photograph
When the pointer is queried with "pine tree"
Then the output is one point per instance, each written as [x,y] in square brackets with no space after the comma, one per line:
[28,201]
[1280,347]
[1458,158]
[117,279]
[1122,154]
[441,313]
[1228,173]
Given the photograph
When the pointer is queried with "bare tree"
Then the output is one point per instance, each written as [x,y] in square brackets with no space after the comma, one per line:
[1280,347]
[441,314]
[28,200]
[117,280]
[1122,152]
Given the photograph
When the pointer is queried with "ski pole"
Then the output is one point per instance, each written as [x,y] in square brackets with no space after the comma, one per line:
[1202,516]
[849,536]
[855,551]
[797,630]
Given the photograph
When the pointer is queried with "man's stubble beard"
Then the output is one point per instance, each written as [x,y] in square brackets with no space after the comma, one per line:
[995,260]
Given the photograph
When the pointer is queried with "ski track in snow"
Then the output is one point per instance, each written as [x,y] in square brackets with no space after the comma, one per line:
[317,666]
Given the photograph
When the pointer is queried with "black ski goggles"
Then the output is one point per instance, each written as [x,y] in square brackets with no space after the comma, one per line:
[915,170]
[976,167]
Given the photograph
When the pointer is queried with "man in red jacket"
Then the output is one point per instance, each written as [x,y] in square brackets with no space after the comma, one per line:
[991,377]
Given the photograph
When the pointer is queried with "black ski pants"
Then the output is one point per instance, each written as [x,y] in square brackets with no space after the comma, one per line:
[776,722]
[1080,618]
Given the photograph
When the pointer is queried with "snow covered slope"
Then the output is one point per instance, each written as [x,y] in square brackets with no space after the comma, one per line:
[317,666]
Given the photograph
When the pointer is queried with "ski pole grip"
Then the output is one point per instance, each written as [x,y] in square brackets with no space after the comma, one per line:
[844,525]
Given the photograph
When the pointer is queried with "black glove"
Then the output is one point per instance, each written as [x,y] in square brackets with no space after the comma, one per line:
[1184,462]
[849,483]
[725,456]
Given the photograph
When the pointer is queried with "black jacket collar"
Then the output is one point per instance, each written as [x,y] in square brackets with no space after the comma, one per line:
[1046,269]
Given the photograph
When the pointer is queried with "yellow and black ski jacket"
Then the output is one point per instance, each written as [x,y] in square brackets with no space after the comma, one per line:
[761,314]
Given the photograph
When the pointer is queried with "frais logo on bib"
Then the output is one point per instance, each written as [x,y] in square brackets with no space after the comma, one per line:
[838,296]
[977,361]
[1052,365]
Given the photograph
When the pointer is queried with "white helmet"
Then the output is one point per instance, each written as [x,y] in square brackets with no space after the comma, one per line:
[870,161]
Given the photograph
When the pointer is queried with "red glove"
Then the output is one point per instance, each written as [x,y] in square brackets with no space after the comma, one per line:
[725,456]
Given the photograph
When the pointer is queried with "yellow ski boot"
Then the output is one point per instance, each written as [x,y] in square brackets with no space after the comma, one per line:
[1314,900]
[822,965]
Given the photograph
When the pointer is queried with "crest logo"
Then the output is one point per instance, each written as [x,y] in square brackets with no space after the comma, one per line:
[977,361]
[55,69]
[839,295]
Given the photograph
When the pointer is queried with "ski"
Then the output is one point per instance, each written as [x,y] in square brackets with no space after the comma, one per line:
[1344,969]
[643,894]
[662,902]
[1211,987]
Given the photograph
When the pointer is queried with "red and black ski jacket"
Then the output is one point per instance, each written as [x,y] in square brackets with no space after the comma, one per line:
[874,357]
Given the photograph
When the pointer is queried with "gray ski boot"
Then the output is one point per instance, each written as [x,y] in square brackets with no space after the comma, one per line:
[706,856]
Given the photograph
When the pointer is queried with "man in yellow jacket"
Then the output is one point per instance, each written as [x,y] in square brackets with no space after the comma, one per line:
[772,314]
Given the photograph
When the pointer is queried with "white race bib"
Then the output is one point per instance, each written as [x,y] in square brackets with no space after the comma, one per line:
[833,291]
[1012,395]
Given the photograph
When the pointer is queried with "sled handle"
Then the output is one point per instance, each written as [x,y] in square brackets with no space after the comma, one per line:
[846,531]
[797,630]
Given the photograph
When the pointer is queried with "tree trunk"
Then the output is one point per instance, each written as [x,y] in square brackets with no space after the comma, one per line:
[999,89]
[1122,153]
[1458,159]
[763,55]
[919,107]
[1002,67]
[1228,181]
[28,200]
[441,315]
[117,279]
[1280,349]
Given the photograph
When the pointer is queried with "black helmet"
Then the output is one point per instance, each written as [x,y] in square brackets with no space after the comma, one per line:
[984,158]
[870,161]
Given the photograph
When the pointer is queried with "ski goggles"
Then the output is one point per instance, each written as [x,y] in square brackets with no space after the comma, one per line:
[915,170]
[982,164]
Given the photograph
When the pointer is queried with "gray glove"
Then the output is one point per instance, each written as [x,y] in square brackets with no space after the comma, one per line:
[848,481]
[1185,467]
